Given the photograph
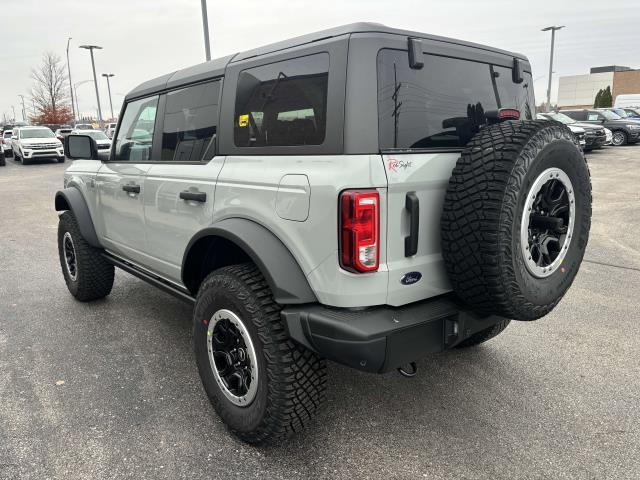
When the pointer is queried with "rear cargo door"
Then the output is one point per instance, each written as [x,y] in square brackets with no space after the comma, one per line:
[426,115]
[416,189]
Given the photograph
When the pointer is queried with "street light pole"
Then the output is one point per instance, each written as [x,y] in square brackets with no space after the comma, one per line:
[14,112]
[73,108]
[205,26]
[108,76]
[91,48]
[553,40]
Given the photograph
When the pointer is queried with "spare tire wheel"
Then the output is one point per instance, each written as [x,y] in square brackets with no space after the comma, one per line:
[516,218]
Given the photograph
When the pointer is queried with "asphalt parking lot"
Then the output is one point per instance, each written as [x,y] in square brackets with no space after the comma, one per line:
[110,390]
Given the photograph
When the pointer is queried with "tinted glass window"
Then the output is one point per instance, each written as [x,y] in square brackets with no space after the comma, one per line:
[36,133]
[443,104]
[135,136]
[190,123]
[283,104]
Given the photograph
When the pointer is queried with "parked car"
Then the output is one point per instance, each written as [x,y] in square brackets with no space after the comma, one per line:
[83,126]
[7,150]
[621,112]
[595,136]
[627,100]
[624,131]
[102,141]
[35,143]
[404,139]
[110,129]
[62,133]
[578,132]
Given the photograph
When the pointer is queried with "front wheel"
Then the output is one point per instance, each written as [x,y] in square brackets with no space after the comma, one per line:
[619,138]
[263,385]
[61,159]
[87,274]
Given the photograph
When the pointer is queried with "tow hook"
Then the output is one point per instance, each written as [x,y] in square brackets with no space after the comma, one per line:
[413,369]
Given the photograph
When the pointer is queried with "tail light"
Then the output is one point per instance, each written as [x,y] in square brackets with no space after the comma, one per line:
[360,230]
[508,114]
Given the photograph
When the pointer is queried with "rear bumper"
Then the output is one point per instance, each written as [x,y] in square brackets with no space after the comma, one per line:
[379,339]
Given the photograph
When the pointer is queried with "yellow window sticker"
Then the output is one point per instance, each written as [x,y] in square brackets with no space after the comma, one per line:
[243,120]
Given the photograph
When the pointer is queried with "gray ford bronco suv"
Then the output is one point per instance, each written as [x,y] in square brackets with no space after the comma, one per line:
[363,194]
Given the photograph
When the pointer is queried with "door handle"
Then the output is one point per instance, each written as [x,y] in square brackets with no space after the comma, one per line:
[193,196]
[131,188]
[412,204]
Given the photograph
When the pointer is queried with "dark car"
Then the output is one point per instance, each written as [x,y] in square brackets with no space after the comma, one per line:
[632,112]
[625,131]
[595,136]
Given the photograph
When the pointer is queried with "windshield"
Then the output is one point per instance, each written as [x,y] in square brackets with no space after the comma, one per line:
[84,126]
[37,133]
[610,115]
[7,134]
[561,117]
[97,135]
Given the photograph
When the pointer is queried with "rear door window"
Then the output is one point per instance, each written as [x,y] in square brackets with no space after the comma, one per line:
[190,123]
[283,103]
[443,104]
[135,135]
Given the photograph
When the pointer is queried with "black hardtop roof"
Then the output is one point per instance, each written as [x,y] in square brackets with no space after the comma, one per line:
[216,67]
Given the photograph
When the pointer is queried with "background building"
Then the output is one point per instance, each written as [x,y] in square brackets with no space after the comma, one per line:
[579,91]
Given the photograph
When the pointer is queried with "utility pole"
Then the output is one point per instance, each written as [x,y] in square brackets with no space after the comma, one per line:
[205,26]
[73,108]
[24,114]
[14,113]
[108,76]
[91,48]
[553,40]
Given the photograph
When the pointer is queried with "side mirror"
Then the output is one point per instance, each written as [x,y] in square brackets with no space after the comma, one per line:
[80,147]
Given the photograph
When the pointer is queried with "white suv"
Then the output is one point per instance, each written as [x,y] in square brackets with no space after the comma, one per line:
[110,129]
[35,143]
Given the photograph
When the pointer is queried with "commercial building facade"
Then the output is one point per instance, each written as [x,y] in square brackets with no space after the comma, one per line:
[579,91]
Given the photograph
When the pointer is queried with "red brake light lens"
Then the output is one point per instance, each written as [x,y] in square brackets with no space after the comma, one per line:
[360,230]
[508,114]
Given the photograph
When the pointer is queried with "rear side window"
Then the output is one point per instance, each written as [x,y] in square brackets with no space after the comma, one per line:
[190,123]
[443,104]
[283,104]
[135,135]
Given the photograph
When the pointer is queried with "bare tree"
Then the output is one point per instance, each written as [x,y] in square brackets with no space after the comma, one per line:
[50,87]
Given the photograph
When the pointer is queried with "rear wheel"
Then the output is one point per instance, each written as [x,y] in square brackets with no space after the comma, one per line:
[516,218]
[262,384]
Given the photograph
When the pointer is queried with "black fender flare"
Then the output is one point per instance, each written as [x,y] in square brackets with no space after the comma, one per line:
[282,272]
[72,199]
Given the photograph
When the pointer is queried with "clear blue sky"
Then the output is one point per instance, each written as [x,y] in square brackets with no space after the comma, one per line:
[146,38]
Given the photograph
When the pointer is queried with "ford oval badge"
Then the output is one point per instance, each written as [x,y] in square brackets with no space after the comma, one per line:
[410,278]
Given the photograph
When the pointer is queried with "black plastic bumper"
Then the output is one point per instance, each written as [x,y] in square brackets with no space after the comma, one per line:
[379,339]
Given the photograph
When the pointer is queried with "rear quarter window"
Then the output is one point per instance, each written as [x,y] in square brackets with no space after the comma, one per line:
[443,104]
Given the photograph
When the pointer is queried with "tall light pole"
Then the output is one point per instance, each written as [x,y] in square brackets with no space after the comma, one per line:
[73,108]
[553,40]
[108,76]
[24,115]
[91,48]
[205,27]
[14,112]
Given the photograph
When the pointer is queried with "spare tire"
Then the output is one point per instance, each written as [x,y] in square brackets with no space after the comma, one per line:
[516,218]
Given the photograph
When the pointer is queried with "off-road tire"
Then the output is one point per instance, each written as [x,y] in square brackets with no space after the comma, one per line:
[94,278]
[484,335]
[483,209]
[291,379]
[3,162]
